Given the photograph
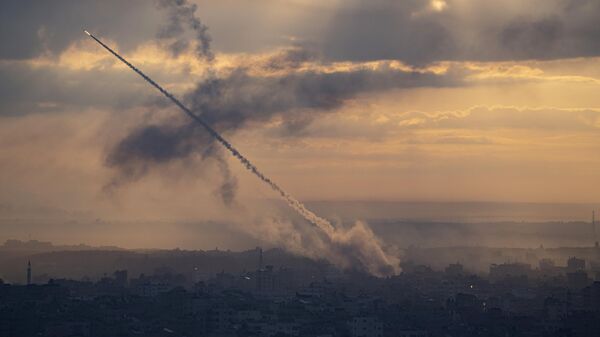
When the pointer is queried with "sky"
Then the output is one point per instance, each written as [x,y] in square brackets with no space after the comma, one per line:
[416,100]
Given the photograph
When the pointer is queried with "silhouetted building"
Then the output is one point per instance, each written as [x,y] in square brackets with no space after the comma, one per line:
[260,258]
[596,244]
[28,272]
[299,301]
[454,270]
[120,278]
[365,327]
[578,279]
[509,271]
[591,297]
[575,264]
[547,265]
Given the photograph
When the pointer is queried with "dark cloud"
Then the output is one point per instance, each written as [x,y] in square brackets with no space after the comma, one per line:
[410,30]
[385,29]
[30,28]
[231,102]
[414,32]
[291,58]
[26,89]
[360,30]
[526,39]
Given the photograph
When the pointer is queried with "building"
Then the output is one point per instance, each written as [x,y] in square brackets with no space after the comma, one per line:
[152,289]
[120,278]
[509,271]
[270,282]
[547,265]
[454,270]
[365,327]
[28,272]
[575,264]
[578,279]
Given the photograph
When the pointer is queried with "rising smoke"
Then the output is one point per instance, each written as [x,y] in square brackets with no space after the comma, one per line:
[241,98]
[292,202]
[352,247]
[225,104]
[182,18]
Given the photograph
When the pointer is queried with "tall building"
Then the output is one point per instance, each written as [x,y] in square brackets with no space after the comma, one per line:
[260,258]
[28,272]
[120,278]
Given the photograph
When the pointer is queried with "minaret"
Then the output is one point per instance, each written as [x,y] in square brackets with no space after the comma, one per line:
[28,272]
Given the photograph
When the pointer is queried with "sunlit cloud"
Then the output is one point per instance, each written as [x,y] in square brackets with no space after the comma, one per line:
[438,5]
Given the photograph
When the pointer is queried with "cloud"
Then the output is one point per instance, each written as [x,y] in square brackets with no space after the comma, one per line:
[463,30]
[488,118]
[240,99]
[55,88]
[230,102]
[30,29]
[414,31]
[478,125]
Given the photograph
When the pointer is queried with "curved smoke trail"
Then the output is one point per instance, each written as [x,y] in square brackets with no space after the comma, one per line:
[291,201]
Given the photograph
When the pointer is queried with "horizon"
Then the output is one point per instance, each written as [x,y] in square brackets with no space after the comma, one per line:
[70,247]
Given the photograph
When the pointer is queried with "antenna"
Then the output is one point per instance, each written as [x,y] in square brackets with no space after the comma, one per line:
[594,228]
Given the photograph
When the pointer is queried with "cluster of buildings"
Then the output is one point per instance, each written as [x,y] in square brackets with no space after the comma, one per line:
[514,299]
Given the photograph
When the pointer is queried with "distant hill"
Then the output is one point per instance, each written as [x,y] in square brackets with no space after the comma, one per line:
[82,261]
[36,247]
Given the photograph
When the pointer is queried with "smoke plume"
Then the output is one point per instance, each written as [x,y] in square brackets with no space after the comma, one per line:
[239,98]
[292,202]
[352,247]
[182,18]
[229,184]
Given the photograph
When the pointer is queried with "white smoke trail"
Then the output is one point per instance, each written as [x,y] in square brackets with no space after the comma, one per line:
[295,204]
